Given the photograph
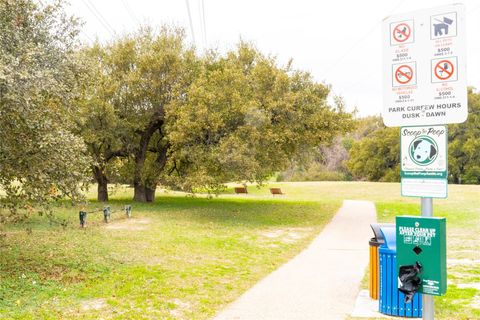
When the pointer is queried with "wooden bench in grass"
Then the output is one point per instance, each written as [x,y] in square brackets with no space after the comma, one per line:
[240,190]
[276,191]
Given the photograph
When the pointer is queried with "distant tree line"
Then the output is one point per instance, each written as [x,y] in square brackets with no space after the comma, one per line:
[144,109]
[371,152]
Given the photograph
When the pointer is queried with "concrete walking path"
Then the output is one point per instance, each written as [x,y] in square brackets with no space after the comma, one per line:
[322,282]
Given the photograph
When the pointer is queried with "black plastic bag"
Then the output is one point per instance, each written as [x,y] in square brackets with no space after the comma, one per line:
[409,280]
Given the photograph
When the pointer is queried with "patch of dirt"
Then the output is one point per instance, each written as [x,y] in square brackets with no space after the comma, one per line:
[476,302]
[273,234]
[129,224]
[293,237]
[461,276]
[272,245]
[466,250]
[4,234]
[181,307]
[289,235]
[462,262]
[473,285]
[94,304]
[155,261]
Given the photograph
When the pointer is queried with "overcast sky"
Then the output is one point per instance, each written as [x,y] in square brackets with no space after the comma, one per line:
[338,41]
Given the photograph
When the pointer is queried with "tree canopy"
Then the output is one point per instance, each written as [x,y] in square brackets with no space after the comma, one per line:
[40,159]
[464,144]
[244,118]
[166,115]
[376,156]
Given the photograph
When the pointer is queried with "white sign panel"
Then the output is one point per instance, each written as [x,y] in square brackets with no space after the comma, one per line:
[428,188]
[424,161]
[424,67]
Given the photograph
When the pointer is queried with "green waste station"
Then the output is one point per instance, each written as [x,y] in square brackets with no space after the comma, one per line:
[421,244]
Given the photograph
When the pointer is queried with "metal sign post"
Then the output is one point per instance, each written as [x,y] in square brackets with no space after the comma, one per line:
[427,300]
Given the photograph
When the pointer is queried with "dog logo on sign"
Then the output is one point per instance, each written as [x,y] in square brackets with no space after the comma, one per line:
[443,25]
[423,150]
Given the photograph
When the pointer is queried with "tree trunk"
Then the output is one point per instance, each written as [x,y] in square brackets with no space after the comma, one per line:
[101,178]
[138,185]
[160,162]
[139,192]
[140,156]
[150,194]
[102,191]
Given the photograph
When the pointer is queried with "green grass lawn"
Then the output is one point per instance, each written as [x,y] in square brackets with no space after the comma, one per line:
[179,258]
[186,258]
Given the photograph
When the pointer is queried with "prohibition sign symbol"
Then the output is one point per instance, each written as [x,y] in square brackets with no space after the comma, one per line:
[402,32]
[403,74]
[444,69]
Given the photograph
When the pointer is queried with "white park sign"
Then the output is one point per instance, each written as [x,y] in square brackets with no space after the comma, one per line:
[424,67]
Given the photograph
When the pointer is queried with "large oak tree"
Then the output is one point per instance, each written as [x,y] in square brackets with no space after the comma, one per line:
[132,81]
[190,121]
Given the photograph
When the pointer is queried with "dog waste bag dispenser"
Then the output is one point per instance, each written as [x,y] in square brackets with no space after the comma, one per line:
[421,254]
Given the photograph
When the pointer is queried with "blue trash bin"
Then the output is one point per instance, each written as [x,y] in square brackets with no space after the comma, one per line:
[391,301]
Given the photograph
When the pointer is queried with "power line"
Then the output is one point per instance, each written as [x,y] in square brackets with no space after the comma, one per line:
[101,16]
[130,11]
[87,36]
[97,17]
[91,7]
[190,20]
[202,34]
[204,25]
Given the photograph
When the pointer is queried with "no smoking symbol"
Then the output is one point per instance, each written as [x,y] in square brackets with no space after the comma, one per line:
[444,69]
[404,74]
[402,32]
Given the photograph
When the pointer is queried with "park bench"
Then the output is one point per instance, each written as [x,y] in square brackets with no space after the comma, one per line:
[275,191]
[239,190]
